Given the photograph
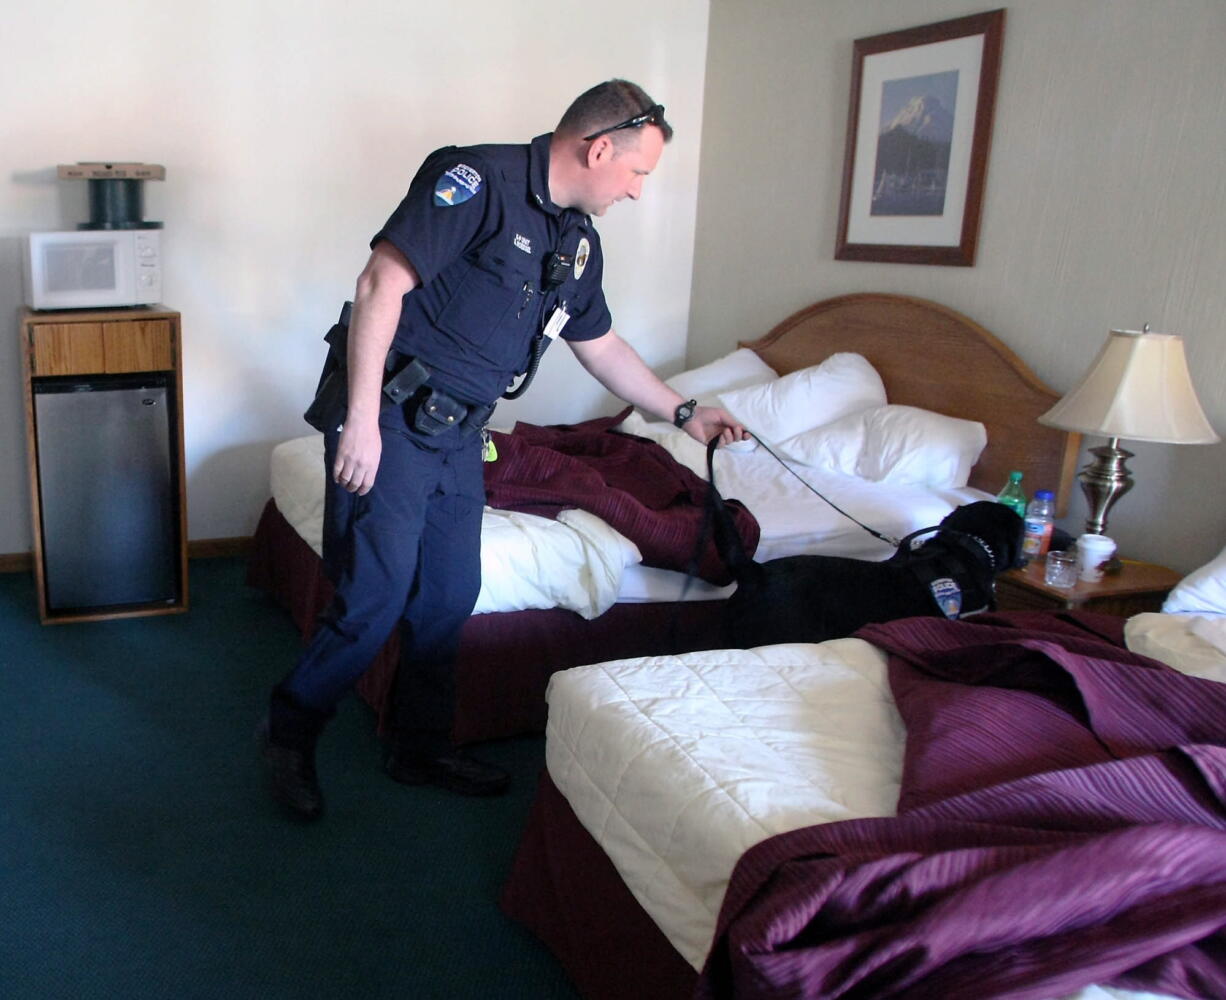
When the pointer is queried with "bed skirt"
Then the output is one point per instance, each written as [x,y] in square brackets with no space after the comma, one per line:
[505,659]
[564,889]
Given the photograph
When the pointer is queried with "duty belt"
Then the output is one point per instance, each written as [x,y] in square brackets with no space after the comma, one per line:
[429,409]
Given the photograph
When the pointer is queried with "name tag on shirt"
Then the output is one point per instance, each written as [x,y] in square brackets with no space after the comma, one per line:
[556,322]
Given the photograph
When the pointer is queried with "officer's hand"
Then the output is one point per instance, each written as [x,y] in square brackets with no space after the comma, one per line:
[357,456]
[709,422]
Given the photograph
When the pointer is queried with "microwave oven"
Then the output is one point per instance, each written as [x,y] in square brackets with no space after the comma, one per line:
[93,268]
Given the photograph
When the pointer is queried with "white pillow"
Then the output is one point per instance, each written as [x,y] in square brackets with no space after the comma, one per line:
[1203,591]
[835,446]
[900,445]
[775,411]
[737,370]
[907,446]
[1179,641]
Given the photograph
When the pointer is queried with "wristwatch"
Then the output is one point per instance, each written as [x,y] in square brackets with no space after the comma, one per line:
[684,411]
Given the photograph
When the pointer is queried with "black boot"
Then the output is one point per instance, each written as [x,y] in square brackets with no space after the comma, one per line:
[447,768]
[421,751]
[287,738]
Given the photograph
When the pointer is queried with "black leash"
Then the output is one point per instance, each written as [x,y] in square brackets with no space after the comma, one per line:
[876,534]
[896,543]
[735,546]
[731,543]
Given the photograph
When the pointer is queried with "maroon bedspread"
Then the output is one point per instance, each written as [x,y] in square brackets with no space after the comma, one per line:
[1062,822]
[631,483]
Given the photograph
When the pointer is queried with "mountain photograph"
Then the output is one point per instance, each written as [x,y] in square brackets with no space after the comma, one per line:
[917,127]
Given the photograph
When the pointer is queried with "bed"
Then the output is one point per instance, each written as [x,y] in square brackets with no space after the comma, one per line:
[1024,805]
[927,359]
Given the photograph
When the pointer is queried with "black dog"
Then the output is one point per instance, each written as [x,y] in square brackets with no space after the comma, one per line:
[814,598]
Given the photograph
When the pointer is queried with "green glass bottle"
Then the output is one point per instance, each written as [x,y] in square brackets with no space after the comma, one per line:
[1013,495]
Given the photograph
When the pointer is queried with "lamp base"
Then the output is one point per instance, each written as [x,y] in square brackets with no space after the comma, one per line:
[1104,481]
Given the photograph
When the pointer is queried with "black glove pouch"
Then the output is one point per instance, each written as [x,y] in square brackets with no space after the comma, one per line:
[436,413]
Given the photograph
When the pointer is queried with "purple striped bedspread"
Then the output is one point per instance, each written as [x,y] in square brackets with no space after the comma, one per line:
[1061,823]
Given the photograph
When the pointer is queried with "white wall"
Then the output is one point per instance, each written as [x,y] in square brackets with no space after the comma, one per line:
[1105,204]
[289,130]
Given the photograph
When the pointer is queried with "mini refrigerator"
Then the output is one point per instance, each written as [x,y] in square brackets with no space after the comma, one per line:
[108,476]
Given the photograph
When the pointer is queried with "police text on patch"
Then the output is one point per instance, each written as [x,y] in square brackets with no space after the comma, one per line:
[463,174]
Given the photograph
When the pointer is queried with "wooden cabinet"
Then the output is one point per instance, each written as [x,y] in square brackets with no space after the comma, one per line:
[104,418]
[1137,587]
[86,348]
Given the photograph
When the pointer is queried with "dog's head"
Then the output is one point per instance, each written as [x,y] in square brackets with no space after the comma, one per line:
[994,525]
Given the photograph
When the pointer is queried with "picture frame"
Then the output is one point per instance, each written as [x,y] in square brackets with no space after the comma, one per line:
[918,132]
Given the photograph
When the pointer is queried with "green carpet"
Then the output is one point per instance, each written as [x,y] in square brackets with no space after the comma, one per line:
[140,857]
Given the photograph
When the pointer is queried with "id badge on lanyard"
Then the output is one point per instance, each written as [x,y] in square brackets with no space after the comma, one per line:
[557,320]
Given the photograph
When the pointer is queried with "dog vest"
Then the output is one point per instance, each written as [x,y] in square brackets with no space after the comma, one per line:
[938,570]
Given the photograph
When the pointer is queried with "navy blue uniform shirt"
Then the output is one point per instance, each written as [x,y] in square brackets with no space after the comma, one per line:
[479,227]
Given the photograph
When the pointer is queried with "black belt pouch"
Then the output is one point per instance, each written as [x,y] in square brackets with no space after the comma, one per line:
[436,412]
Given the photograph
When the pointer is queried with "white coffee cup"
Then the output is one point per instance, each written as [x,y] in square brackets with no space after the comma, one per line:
[1093,554]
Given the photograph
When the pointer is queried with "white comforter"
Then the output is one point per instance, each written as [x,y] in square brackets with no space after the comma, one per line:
[581,563]
[575,562]
[678,764]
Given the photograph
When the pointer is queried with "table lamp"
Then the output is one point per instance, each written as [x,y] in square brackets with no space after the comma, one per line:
[1138,388]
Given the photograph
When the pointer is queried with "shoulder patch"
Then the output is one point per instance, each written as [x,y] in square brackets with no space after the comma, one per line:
[581,256]
[456,185]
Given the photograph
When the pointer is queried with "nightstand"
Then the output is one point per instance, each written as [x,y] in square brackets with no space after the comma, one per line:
[1137,587]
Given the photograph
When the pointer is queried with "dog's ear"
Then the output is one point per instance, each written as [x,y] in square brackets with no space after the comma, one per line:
[996,524]
[1011,557]
[974,518]
[1006,533]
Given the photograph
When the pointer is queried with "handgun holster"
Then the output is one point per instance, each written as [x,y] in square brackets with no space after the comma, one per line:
[331,403]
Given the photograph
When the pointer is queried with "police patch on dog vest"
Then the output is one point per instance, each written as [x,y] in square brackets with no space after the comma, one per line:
[457,185]
[948,596]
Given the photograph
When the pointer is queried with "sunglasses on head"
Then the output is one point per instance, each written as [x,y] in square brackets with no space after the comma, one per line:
[648,117]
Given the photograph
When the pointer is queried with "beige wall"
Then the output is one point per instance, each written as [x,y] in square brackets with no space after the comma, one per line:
[289,130]
[1105,204]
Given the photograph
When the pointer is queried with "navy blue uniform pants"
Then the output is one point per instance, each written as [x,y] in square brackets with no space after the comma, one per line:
[407,552]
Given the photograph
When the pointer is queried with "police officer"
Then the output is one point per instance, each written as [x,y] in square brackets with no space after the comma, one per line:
[489,257]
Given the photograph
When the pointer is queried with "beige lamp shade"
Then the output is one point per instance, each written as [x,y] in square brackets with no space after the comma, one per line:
[1138,388]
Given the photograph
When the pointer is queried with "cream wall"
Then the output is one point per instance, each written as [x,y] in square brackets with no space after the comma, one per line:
[1105,204]
[289,131]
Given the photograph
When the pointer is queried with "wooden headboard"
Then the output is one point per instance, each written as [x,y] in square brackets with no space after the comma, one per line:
[935,358]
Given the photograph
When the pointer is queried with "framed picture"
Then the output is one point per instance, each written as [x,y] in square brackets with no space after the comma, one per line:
[917,142]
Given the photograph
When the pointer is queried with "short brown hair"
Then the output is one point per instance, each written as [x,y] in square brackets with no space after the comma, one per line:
[606,104]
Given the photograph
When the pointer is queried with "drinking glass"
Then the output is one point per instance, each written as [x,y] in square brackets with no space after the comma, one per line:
[1060,569]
